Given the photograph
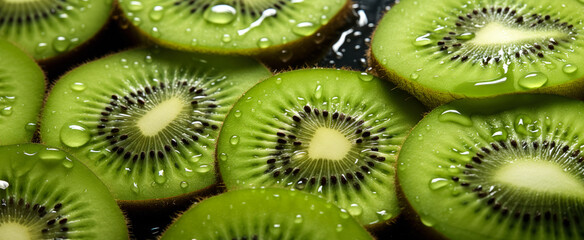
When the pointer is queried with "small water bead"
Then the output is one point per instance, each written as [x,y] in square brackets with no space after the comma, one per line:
[318,92]
[226,38]
[264,42]
[148,59]
[383,215]
[355,210]
[68,163]
[339,227]
[569,68]
[234,140]
[237,113]
[223,156]
[194,42]
[298,219]
[422,40]
[344,214]
[499,134]
[52,155]
[156,13]
[278,80]
[135,188]
[41,48]
[160,178]
[155,32]
[455,117]
[60,44]
[184,185]
[4,184]
[427,221]
[135,6]
[74,135]
[6,111]
[30,127]
[203,168]
[195,158]
[438,183]
[304,28]
[220,14]
[365,77]
[533,80]
[286,55]
[466,36]
[414,76]
[77,87]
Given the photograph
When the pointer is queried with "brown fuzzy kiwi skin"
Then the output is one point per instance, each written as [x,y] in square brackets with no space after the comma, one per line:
[305,50]
[433,98]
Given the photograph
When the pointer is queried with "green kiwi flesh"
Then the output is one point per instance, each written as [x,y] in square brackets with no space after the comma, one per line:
[22,88]
[509,167]
[470,49]
[236,27]
[265,214]
[334,133]
[49,28]
[146,120]
[46,193]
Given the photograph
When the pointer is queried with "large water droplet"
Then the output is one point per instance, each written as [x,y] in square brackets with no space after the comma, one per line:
[301,184]
[427,221]
[203,168]
[383,215]
[160,178]
[344,214]
[74,135]
[67,163]
[51,155]
[60,44]
[521,124]
[365,77]
[195,158]
[533,80]
[220,14]
[223,156]
[41,48]
[422,40]
[4,185]
[234,140]
[6,111]
[304,28]
[156,13]
[184,184]
[30,127]
[455,117]
[569,68]
[237,113]
[438,183]
[78,86]
[499,134]
[135,6]
[355,210]
[264,42]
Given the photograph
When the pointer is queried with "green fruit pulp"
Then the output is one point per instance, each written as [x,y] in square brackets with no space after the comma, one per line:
[500,168]
[482,48]
[265,214]
[146,120]
[22,86]
[274,136]
[41,184]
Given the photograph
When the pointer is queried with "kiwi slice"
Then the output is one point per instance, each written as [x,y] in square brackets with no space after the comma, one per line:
[509,167]
[49,28]
[46,193]
[265,214]
[146,120]
[334,133]
[471,49]
[22,88]
[277,31]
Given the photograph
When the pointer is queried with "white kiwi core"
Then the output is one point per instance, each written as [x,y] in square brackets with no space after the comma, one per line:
[495,33]
[328,144]
[160,116]
[540,176]
[14,231]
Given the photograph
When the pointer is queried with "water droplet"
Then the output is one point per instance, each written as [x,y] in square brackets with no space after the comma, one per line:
[51,155]
[499,134]
[237,113]
[414,76]
[426,221]
[135,6]
[339,227]
[184,184]
[278,80]
[6,111]
[74,135]
[438,183]
[223,156]
[195,158]
[298,219]
[355,210]
[264,42]
[383,215]
[156,13]
[455,117]
[60,44]
[304,28]
[234,140]
[286,55]
[203,168]
[422,40]
[344,214]
[4,185]
[220,14]
[318,92]
[569,68]
[226,38]
[78,87]
[533,80]
[160,178]
[68,163]
[522,123]
[194,42]
[365,77]
[134,187]
[155,32]
[466,36]
[30,127]
[148,59]
[301,184]
[41,48]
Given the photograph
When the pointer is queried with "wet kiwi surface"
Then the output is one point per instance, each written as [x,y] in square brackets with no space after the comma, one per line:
[22,86]
[510,167]
[49,28]
[265,214]
[471,49]
[46,193]
[334,133]
[146,120]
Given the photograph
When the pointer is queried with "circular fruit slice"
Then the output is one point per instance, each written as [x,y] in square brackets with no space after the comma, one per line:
[504,168]
[47,194]
[48,28]
[470,49]
[265,214]
[146,120]
[330,132]
[22,89]
[279,30]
